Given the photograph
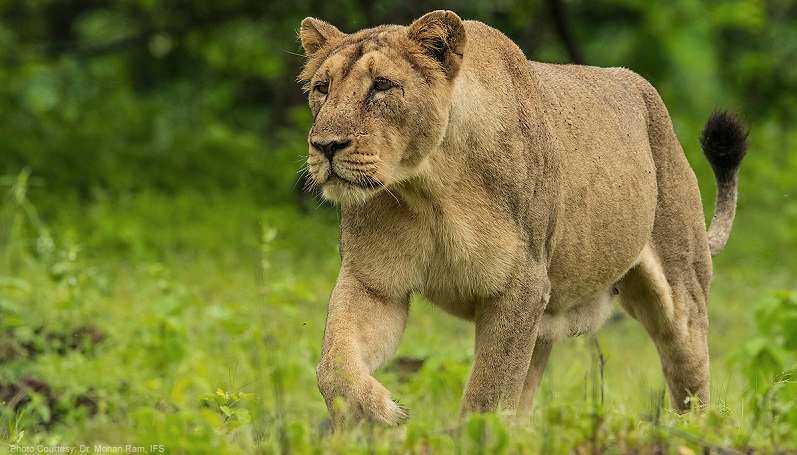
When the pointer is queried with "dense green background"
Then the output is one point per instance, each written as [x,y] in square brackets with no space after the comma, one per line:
[150,157]
[133,94]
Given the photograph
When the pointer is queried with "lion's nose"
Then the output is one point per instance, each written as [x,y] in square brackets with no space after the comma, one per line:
[330,147]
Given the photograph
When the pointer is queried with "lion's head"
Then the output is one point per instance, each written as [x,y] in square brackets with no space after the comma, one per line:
[380,101]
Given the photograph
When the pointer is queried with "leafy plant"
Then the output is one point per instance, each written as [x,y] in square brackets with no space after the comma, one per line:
[231,408]
[769,362]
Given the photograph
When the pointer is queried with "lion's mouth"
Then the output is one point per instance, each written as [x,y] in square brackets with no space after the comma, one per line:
[348,174]
[363,181]
[345,182]
[355,169]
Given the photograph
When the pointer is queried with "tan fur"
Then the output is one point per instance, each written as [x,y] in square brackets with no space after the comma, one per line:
[519,195]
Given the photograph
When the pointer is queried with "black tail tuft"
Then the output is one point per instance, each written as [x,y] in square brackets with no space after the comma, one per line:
[724,142]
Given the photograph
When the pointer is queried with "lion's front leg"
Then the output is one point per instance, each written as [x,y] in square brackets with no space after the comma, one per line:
[506,331]
[363,331]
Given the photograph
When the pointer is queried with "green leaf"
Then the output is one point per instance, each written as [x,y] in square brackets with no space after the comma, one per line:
[243,415]
[206,396]
[251,397]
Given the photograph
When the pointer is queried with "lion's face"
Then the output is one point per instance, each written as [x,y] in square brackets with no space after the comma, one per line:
[372,123]
[380,104]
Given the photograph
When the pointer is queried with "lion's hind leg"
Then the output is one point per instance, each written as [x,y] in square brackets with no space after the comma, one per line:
[539,359]
[675,318]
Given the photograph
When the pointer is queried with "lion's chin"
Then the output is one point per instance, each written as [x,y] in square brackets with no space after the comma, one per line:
[344,193]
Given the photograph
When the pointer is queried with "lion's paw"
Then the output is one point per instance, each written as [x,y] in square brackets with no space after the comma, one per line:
[378,405]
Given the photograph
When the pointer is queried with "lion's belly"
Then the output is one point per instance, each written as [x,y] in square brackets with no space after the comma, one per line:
[608,189]
[601,237]
[592,260]
[578,272]
[584,316]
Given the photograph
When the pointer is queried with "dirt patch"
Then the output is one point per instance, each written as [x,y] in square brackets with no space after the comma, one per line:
[22,346]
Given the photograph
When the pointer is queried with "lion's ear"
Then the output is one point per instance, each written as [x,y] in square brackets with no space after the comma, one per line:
[442,37]
[315,34]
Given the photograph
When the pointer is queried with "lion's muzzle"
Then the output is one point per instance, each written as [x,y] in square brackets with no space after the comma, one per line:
[343,169]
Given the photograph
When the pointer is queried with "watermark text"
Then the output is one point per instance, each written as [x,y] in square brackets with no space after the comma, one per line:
[94,448]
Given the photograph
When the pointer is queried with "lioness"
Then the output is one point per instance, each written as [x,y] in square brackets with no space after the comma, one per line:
[525,197]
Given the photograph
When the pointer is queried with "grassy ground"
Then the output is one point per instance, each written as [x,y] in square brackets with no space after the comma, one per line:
[194,323]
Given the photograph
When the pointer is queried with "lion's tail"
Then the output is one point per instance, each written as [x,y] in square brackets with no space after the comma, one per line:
[724,142]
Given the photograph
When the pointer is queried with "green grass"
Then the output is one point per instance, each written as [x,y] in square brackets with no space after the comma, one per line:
[195,322]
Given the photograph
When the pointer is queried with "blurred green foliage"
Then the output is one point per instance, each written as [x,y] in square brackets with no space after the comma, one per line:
[769,362]
[100,96]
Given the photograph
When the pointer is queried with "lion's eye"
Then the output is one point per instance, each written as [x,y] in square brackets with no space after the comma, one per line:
[322,87]
[382,84]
